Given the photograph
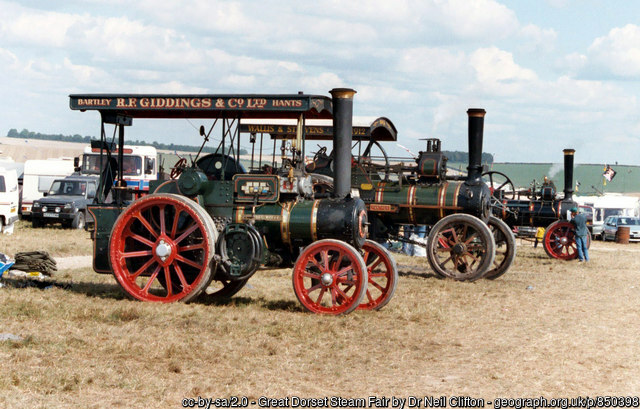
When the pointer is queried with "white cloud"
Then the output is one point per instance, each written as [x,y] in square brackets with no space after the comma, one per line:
[426,61]
[127,43]
[384,94]
[8,59]
[538,39]
[472,18]
[320,83]
[28,27]
[572,63]
[169,87]
[498,74]
[618,52]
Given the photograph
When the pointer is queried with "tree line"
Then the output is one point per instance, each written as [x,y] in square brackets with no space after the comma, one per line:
[26,134]
[463,157]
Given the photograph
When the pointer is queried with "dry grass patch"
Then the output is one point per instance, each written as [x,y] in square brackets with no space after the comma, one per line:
[54,239]
[545,328]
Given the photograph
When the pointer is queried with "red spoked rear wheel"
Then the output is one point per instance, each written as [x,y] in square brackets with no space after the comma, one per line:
[330,277]
[382,274]
[161,248]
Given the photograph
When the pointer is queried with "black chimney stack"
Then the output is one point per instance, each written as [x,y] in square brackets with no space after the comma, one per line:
[342,135]
[476,129]
[568,173]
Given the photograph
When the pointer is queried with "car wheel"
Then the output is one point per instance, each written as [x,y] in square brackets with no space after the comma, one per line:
[36,223]
[78,222]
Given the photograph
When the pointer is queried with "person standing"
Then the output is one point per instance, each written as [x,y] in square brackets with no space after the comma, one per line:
[579,220]
[407,231]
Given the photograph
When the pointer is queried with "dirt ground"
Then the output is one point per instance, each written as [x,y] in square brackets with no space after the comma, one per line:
[546,328]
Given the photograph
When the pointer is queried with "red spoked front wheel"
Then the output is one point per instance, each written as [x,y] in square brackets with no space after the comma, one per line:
[559,241]
[382,274]
[161,248]
[330,277]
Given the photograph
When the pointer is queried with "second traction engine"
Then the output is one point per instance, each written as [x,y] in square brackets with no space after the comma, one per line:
[461,243]
[543,207]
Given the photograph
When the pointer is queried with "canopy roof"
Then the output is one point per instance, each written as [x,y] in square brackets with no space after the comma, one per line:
[275,106]
[379,129]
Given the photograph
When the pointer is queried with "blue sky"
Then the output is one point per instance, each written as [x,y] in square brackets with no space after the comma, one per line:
[552,74]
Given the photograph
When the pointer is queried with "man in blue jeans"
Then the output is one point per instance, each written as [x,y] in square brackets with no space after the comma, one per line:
[579,220]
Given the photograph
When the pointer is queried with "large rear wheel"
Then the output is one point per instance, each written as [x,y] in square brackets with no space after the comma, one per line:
[382,273]
[330,277]
[461,246]
[505,248]
[162,247]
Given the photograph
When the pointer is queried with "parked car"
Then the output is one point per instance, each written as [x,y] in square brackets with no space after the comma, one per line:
[612,223]
[66,202]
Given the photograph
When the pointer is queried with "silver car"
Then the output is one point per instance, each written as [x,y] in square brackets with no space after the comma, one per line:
[612,223]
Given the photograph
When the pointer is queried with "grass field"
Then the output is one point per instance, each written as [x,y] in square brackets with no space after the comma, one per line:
[546,328]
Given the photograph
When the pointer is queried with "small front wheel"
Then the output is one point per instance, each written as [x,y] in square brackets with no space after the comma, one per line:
[330,277]
[559,241]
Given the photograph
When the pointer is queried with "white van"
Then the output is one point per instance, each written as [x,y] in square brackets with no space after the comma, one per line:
[609,204]
[9,197]
[39,174]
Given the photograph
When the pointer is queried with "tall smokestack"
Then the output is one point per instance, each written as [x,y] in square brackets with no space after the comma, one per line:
[342,134]
[476,129]
[568,173]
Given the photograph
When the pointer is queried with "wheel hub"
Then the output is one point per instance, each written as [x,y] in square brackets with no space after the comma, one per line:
[564,240]
[326,279]
[459,249]
[163,250]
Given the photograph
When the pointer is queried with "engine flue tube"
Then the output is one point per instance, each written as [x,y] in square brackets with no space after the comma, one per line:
[476,129]
[342,136]
[568,174]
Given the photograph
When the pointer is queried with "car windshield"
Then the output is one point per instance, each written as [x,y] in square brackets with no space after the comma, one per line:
[612,212]
[588,211]
[91,164]
[68,187]
[628,221]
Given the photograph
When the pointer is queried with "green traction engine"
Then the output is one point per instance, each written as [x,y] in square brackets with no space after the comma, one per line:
[208,228]
[540,206]
[465,241]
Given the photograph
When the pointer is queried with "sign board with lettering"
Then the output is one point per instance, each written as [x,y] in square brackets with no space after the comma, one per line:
[205,106]
[381,129]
